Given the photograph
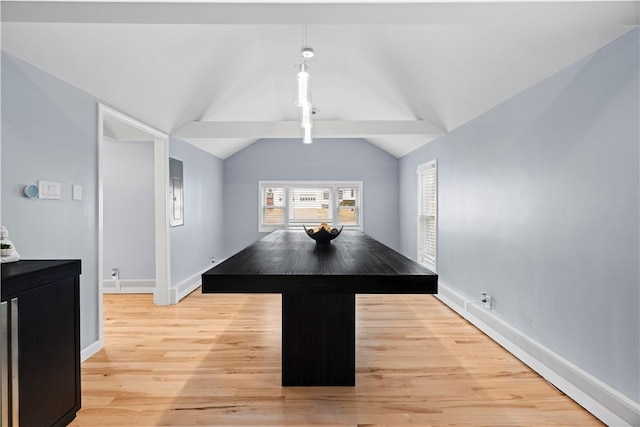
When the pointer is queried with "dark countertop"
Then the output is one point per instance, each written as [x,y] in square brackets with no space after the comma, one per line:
[23,275]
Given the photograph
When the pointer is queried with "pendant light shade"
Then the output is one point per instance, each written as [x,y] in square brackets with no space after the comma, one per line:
[303,85]
[304,93]
[307,136]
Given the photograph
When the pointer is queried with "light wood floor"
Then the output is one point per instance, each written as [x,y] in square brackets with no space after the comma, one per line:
[215,360]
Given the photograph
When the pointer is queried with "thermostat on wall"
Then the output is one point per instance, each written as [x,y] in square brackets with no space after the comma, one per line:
[31,191]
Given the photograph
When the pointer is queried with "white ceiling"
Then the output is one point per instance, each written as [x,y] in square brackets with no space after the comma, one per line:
[377,65]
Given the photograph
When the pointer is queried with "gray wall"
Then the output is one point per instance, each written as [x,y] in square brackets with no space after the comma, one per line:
[201,236]
[49,133]
[538,205]
[325,159]
[129,204]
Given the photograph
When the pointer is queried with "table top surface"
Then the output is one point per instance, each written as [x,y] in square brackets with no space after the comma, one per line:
[353,262]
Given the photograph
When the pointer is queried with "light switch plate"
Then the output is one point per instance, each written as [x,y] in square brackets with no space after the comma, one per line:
[49,190]
[76,192]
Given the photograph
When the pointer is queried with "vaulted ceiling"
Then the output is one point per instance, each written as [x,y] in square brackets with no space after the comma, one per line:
[221,75]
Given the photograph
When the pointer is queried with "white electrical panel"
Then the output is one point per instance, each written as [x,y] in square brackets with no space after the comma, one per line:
[49,190]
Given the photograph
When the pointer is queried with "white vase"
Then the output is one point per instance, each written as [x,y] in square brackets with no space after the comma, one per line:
[6,252]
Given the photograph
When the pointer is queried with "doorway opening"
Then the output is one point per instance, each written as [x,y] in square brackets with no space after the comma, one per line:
[114,126]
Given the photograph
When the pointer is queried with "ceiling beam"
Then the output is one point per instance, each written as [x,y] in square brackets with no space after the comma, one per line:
[321,129]
[356,12]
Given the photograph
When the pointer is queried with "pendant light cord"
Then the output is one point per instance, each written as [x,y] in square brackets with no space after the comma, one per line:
[304,36]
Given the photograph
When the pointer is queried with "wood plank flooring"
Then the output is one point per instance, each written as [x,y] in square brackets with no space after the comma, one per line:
[214,360]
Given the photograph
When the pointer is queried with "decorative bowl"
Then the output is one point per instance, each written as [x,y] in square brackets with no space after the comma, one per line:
[323,234]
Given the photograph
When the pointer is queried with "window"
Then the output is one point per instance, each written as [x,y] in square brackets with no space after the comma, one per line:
[273,206]
[427,214]
[292,204]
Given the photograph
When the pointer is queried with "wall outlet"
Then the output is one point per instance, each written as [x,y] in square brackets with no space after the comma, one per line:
[115,274]
[486,299]
[76,192]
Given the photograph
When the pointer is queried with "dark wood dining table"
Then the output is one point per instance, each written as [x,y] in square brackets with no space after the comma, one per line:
[318,283]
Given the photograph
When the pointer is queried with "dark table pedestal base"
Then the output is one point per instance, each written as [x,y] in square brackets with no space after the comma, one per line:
[318,339]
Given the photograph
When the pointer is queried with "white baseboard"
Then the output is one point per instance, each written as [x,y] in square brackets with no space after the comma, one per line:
[603,401]
[189,285]
[133,286]
[90,350]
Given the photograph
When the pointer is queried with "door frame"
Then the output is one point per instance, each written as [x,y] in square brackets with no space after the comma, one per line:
[161,174]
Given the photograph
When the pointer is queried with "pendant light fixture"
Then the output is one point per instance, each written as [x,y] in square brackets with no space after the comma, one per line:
[304,93]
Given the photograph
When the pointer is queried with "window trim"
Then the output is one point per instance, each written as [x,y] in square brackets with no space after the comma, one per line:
[419,171]
[287,185]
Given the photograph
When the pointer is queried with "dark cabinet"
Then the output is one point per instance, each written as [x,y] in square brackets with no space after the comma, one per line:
[41,308]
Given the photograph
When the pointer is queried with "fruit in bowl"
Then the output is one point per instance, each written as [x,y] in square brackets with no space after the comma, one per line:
[323,233]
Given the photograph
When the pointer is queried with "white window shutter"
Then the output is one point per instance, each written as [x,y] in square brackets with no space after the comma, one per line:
[427,214]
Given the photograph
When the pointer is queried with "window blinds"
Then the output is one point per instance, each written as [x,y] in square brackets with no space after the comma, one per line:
[310,206]
[427,214]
